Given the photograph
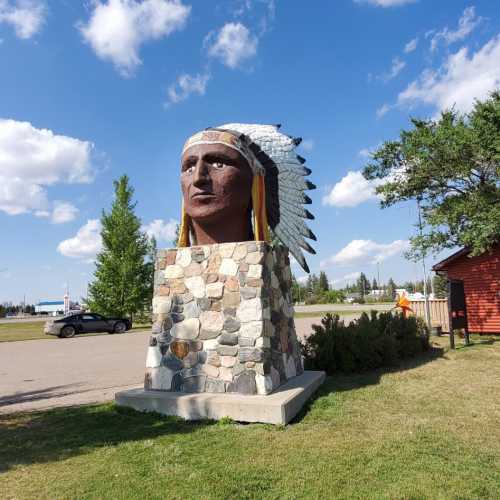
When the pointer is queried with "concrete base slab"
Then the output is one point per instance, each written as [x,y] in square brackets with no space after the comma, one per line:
[276,408]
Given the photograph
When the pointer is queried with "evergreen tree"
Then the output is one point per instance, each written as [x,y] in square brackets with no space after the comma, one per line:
[391,288]
[122,284]
[298,291]
[440,284]
[177,233]
[309,285]
[315,285]
[152,248]
[374,284]
[363,285]
[323,282]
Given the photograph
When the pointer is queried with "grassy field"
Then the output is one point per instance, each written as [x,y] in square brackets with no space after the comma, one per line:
[11,332]
[428,430]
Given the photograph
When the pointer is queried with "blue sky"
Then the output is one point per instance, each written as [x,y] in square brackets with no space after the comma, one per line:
[90,90]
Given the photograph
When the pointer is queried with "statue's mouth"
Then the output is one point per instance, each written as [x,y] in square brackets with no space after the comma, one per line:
[203,194]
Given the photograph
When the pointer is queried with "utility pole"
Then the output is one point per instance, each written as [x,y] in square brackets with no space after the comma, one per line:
[426,298]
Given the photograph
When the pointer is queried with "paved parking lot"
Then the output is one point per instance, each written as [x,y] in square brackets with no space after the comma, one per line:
[39,374]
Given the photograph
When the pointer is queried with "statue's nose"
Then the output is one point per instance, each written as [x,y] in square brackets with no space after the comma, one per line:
[200,175]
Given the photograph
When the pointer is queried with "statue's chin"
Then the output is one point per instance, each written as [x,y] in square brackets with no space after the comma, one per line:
[212,210]
[208,215]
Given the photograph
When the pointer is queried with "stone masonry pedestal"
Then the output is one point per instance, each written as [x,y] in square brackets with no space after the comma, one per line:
[222,320]
[222,323]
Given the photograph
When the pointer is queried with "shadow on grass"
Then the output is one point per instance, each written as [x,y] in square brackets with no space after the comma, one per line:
[476,342]
[54,392]
[341,382]
[57,434]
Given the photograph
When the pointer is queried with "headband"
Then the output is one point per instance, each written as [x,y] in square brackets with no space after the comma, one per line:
[233,140]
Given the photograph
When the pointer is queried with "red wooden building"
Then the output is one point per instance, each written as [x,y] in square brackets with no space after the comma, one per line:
[474,290]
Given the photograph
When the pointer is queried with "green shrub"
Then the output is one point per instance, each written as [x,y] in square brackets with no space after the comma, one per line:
[364,344]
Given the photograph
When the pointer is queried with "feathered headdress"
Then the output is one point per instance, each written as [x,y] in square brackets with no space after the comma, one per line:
[279,184]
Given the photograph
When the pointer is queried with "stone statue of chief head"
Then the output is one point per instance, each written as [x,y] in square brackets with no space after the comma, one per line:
[244,182]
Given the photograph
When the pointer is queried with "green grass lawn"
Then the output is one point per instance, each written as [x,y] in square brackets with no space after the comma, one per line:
[428,430]
[32,330]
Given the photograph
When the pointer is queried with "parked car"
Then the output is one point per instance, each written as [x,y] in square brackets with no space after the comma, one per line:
[70,325]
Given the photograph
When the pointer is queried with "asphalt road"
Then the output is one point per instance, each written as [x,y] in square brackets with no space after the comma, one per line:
[40,374]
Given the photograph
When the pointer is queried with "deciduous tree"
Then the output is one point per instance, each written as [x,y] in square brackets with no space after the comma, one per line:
[452,167]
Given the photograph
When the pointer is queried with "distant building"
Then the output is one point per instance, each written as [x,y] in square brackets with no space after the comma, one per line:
[377,292]
[52,308]
[353,297]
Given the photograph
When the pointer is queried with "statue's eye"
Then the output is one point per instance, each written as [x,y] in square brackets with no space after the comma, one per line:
[218,164]
[188,168]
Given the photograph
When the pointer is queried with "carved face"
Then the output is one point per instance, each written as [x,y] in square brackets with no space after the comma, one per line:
[216,182]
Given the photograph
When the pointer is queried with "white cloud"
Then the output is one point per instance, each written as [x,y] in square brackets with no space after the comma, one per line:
[302,279]
[25,16]
[365,252]
[187,85]
[466,24]
[266,8]
[232,45]
[86,244]
[117,28]
[241,7]
[32,158]
[397,66]
[459,81]
[161,230]
[63,212]
[411,46]
[383,110]
[41,213]
[348,277]
[307,144]
[386,3]
[351,190]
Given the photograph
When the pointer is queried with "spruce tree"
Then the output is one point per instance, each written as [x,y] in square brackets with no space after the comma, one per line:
[122,284]
[391,288]
[323,282]
[150,263]
[363,285]
[440,286]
